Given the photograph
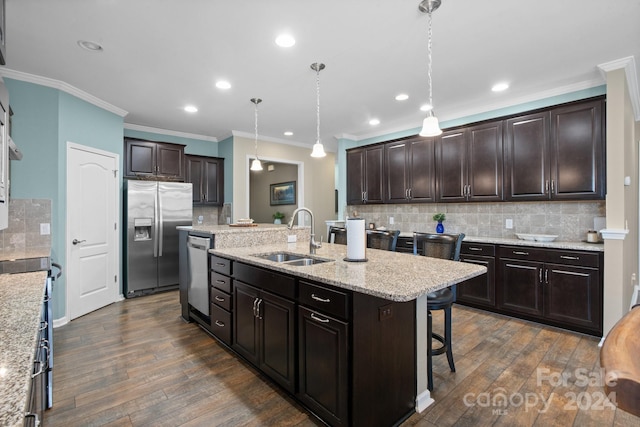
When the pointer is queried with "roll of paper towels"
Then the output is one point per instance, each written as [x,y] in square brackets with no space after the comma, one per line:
[356,239]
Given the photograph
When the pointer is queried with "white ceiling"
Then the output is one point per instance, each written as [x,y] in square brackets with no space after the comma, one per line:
[160,55]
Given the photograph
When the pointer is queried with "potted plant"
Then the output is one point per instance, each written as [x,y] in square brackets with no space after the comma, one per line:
[439,217]
[278,217]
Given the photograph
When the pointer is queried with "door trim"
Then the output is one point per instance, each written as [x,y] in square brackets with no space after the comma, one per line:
[118,296]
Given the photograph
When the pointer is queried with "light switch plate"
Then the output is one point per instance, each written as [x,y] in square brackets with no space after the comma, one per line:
[292,238]
[508,223]
[45,229]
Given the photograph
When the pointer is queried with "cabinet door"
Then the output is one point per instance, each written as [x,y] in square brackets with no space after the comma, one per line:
[526,157]
[520,287]
[373,182]
[245,322]
[577,158]
[323,366]
[277,332]
[481,289]
[141,158]
[194,176]
[484,162]
[213,182]
[355,177]
[572,296]
[451,154]
[421,170]
[170,160]
[396,174]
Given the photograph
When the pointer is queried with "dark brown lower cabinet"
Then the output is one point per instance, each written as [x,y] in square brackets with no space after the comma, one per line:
[323,365]
[481,290]
[264,332]
[558,287]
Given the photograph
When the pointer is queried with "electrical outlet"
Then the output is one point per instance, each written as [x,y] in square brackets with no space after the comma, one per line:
[391,220]
[292,238]
[508,223]
[45,229]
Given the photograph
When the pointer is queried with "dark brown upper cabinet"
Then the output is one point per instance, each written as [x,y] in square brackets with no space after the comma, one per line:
[207,176]
[409,171]
[364,175]
[469,163]
[557,154]
[149,159]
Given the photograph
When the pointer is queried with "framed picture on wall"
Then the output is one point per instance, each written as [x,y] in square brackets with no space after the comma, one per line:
[283,193]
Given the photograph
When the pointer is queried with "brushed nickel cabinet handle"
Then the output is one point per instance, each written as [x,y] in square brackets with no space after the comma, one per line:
[219,323]
[475,249]
[319,319]
[319,299]
[520,253]
[219,299]
[569,257]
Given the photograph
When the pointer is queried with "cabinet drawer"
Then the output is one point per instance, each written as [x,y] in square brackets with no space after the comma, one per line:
[482,249]
[220,298]
[221,265]
[221,282]
[404,244]
[221,323]
[584,259]
[323,299]
[522,252]
[265,279]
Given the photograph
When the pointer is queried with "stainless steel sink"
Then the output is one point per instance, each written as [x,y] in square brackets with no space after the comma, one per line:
[292,259]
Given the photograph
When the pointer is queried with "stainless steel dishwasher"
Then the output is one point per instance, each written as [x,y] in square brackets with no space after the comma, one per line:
[198,268]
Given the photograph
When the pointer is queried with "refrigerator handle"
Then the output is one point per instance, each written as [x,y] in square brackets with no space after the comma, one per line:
[155,228]
[161,223]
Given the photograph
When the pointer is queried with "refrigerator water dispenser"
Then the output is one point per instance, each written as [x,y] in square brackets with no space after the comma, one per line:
[142,229]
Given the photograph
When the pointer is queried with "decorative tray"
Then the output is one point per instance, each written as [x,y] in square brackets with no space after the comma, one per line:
[249,224]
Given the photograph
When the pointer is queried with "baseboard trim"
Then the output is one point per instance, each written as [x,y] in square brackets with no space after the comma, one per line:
[423,401]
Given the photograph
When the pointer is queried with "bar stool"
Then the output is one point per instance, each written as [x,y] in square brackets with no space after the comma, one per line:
[385,240]
[444,246]
[338,235]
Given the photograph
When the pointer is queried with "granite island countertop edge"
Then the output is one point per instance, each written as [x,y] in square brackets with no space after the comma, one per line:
[393,276]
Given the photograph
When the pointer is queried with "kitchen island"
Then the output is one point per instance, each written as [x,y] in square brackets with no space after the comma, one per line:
[347,339]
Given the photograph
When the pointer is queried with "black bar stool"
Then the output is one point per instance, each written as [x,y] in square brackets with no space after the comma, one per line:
[444,246]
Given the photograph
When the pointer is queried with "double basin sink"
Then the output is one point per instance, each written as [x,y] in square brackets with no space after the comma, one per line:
[292,259]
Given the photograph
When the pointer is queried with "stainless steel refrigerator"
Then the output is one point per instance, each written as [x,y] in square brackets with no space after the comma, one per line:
[153,210]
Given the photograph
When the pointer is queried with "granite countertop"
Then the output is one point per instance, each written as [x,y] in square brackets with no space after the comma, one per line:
[227,229]
[580,246]
[390,275]
[20,304]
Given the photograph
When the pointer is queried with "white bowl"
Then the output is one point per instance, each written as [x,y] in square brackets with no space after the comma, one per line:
[522,236]
[545,237]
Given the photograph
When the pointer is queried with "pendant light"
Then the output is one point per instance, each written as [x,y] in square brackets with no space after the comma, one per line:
[318,148]
[256,165]
[430,126]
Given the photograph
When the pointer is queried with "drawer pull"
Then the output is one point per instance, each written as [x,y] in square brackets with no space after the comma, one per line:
[317,298]
[219,299]
[475,249]
[221,264]
[219,323]
[220,281]
[319,319]
[520,253]
[569,257]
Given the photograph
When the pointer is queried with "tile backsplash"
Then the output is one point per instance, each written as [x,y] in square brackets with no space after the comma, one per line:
[569,220]
[25,217]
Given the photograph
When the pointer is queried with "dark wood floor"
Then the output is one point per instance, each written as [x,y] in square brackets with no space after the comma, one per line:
[136,363]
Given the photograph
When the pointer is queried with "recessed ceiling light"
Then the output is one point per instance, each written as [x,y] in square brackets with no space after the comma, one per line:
[374,122]
[402,97]
[87,45]
[285,40]
[500,87]
[426,107]
[288,133]
[223,84]
[190,109]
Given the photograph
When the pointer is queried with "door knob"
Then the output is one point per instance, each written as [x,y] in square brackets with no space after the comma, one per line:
[76,241]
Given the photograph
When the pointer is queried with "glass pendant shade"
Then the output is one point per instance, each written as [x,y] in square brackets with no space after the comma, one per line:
[430,126]
[256,165]
[318,150]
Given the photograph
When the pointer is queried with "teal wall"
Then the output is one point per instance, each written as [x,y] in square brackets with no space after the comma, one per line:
[225,149]
[345,144]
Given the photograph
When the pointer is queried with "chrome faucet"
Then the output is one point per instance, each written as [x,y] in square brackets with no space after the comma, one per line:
[313,245]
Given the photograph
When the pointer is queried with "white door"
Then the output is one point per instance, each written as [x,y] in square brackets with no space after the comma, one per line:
[92,231]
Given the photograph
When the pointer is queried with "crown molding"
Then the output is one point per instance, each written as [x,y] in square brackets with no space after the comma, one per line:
[149,129]
[628,64]
[64,87]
